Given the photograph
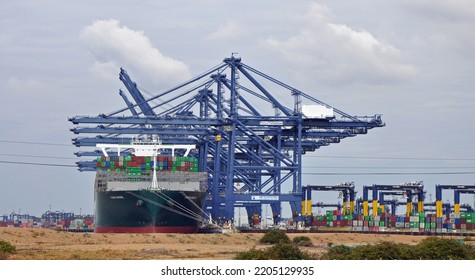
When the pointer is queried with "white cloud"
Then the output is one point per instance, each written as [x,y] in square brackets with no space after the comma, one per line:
[229,31]
[317,14]
[336,53]
[115,46]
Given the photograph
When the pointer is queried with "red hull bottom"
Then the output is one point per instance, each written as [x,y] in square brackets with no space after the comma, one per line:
[151,229]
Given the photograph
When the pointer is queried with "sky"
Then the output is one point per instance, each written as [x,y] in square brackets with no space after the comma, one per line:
[411,61]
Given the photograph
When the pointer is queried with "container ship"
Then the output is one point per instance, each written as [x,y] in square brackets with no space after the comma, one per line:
[146,191]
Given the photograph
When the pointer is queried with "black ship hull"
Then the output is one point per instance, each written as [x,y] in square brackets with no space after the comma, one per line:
[148,211]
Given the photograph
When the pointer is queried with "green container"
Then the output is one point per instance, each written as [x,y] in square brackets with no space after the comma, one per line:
[381,224]
[348,217]
[426,225]
[422,214]
[329,212]
[367,218]
[99,159]
[413,225]
[329,224]
[433,225]
[128,158]
[320,218]
[422,220]
[464,215]
[371,223]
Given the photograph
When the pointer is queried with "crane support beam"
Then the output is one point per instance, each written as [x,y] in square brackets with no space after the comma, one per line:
[136,94]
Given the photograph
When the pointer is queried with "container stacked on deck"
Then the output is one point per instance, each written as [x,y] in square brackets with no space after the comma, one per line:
[416,222]
[135,165]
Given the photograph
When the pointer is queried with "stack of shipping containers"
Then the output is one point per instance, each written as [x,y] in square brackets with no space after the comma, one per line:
[135,166]
[416,222]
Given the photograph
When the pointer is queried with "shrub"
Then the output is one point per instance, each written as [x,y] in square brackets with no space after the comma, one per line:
[383,251]
[274,237]
[339,252]
[432,248]
[302,241]
[253,254]
[7,248]
[281,251]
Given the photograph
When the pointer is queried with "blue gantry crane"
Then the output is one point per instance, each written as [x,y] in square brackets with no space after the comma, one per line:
[347,191]
[250,130]
[458,189]
[412,188]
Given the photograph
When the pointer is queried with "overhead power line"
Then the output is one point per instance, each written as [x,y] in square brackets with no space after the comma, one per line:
[35,156]
[388,167]
[385,173]
[391,158]
[40,164]
[34,143]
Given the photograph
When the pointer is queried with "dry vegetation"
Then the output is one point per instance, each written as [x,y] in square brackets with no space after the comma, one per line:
[44,244]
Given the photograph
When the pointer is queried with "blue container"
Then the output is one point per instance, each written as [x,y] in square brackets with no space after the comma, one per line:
[439,220]
[108,163]
[457,221]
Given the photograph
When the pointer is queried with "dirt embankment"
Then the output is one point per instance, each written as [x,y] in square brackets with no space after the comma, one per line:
[41,244]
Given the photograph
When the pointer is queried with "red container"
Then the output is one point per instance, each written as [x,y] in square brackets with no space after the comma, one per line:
[365,223]
[373,229]
[336,213]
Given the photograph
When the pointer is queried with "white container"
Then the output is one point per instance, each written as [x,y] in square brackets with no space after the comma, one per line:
[316,111]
